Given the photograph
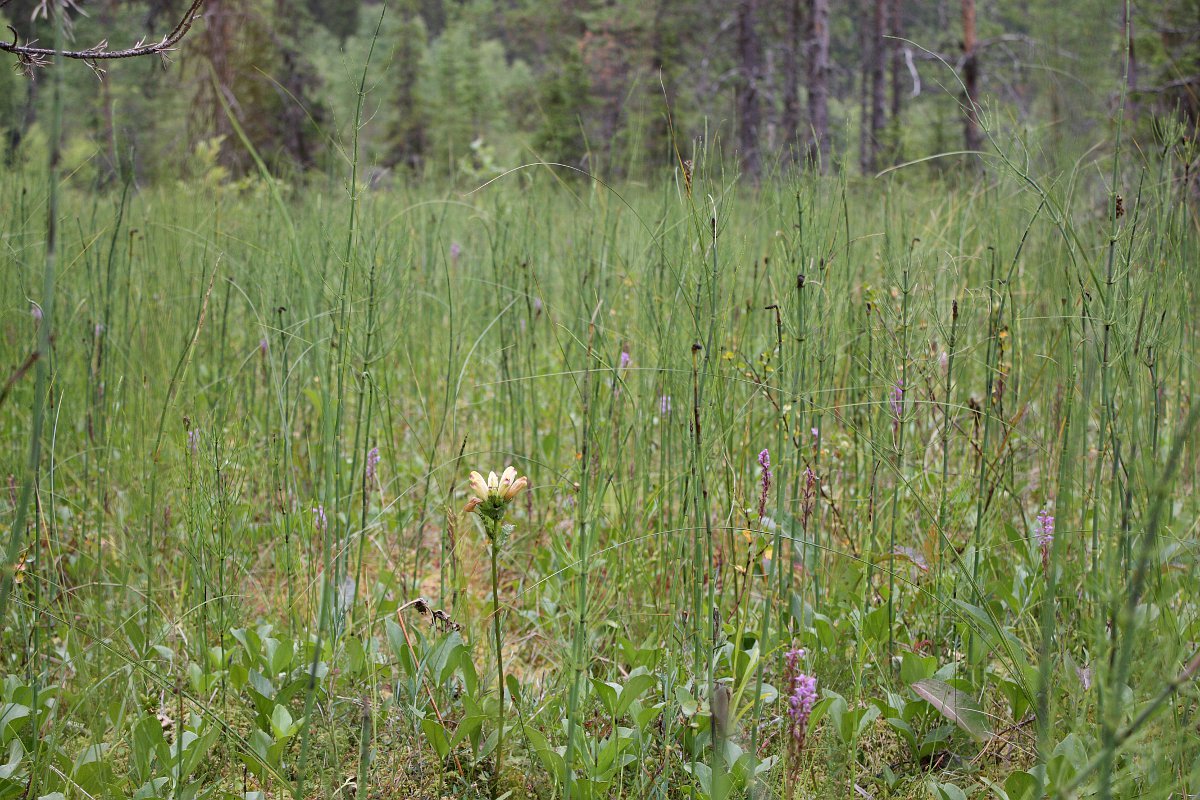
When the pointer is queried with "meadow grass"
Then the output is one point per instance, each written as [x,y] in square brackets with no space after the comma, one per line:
[247,567]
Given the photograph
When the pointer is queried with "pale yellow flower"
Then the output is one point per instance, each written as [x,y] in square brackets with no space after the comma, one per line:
[479,486]
[516,488]
[495,491]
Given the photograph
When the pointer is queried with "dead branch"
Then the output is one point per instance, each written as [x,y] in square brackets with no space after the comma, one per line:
[39,56]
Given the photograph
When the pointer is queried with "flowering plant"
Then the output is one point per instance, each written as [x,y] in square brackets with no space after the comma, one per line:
[490,500]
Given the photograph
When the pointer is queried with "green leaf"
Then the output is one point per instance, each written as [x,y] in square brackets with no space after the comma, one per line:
[400,648]
[608,693]
[489,744]
[436,735]
[514,687]
[687,704]
[152,789]
[905,731]
[15,753]
[196,751]
[281,723]
[875,625]
[278,655]
[550,758]
[948,791]
[954,705]
[633,689]
[1021,786]
[10,720]
[466,727]
[647,715]
[147,739]
[915,667]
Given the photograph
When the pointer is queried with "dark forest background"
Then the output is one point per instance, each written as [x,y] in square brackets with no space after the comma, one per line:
[468,89]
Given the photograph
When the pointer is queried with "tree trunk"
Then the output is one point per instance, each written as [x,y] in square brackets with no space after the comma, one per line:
[896,47]
[878,77]
[216,40]
[875,100]
[866,144]
[790,121]
[972,137]
[748,104]
[818,84]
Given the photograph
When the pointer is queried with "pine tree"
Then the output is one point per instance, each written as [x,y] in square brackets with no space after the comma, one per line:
[406,138]
[339,17]
[564,102]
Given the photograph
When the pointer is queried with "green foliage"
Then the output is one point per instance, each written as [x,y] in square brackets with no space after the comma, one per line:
[465,83]
[563,103]
[340,17]
[405,114]
[249,572]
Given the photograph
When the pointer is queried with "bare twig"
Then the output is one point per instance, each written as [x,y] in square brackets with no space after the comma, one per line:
[32,56]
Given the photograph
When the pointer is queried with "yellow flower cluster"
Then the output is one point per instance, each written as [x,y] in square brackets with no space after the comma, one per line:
[496,491]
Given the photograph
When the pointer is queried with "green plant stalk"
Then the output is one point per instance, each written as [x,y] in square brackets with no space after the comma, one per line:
[495,534]
[1113,739]
[944,489]
[1110,719]
[905,290]
[1049,609]
[990,368]
[45,339]
[331,432]
[367,396]
[771,579]
[577,646]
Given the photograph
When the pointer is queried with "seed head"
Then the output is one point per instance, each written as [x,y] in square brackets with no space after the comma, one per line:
[764,461]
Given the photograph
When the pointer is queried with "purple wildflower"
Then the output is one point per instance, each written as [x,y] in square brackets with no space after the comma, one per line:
[800,704]
[896,400]
[764,461]
[193,441]
[372,463]
[263,344]
[455,251]
[802,696]
[1045,534]
[622,365]
[810,497]
[896,405]
[1045,528]
[319,519]
[98,330]
[35,311]
[664,404]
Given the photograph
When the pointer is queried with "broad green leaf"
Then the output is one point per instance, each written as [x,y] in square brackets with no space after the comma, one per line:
[281,722]
[634,687]
[436,735]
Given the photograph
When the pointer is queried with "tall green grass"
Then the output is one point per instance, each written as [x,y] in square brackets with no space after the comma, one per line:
[223,360]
